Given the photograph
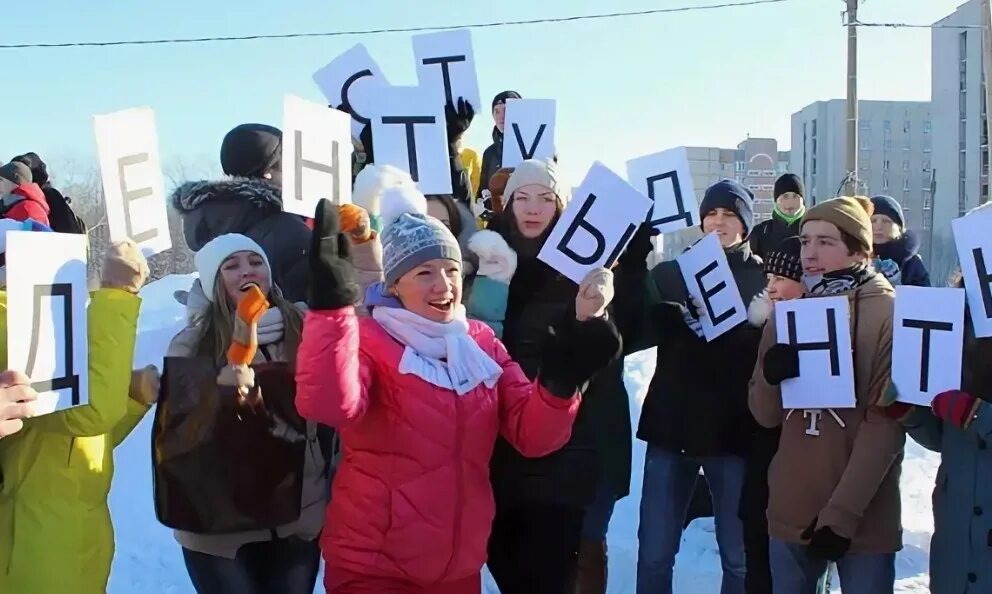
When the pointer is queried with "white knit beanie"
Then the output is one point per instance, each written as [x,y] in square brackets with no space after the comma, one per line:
[536,172]
[211,256]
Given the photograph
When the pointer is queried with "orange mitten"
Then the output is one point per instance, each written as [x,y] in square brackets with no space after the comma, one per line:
[244,339]
[356,223]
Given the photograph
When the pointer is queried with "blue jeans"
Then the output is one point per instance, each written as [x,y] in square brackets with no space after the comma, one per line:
[669,480]
[598,514]
[793,572]
[286,565]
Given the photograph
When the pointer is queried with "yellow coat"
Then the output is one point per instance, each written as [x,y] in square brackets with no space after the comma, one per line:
[55,531]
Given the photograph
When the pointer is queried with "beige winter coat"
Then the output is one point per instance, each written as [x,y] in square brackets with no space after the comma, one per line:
[847,476]
[315,484]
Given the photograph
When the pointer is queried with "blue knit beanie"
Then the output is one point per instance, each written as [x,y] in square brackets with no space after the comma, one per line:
[887,205]
[732,196]
[411,237]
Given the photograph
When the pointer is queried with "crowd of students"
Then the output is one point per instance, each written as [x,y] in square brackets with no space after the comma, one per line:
[463,403]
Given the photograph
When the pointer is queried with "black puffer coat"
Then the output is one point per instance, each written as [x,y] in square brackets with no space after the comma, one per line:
[254,208]
[492,161]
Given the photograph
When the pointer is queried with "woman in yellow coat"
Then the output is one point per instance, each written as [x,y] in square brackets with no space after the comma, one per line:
[56,536]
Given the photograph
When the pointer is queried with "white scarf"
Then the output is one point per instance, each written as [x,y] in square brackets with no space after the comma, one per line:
[441,354]
[271,327]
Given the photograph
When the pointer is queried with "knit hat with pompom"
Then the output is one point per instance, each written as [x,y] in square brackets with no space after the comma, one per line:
[371,182]
[852,215]
[410,237]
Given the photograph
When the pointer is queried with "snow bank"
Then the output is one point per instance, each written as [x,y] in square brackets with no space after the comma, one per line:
[149,560]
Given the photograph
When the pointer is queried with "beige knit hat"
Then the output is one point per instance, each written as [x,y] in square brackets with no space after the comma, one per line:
[851,215]
[540,172]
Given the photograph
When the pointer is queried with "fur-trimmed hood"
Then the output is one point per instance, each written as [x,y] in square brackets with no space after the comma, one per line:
[256,192]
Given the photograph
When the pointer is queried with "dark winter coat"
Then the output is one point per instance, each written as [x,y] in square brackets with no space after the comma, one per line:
[697,401]
[768,235]
[492,161]
[540,297]
[961,548]
[905,252]
[254,208]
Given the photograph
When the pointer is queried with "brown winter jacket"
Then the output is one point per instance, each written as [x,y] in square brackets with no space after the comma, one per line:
[847,477]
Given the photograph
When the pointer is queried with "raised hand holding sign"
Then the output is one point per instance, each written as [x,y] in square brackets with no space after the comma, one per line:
[349,82]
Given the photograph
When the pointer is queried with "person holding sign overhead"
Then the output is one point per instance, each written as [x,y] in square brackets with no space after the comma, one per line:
[57,471]
[834,483]
[695,413]
[261,560]
[249,203]
[492,157]
[540,537]
[420,395]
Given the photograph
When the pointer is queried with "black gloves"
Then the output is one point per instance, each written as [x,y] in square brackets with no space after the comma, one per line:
[332,277]
[781,363]
[458,120]
[574,352]
[635,257]
[824,543]
[669,317]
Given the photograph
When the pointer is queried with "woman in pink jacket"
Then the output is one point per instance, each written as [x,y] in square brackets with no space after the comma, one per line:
[419,395]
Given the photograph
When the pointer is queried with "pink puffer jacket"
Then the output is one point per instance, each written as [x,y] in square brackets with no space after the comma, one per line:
[412,499]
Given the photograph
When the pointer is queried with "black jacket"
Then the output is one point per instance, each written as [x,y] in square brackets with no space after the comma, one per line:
[697,402]
[905,252]
[492,161]
[540,297]
[768,235]
[253,208]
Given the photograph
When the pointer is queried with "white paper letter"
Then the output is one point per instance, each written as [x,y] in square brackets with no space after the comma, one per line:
[446,63]
[971,235]
[409,132]
[596,226]
[316,156]
[819,330]
[134,195]
[349,82]
[529,132]
[46,317]
[710,281]
[927,321]
[666,179]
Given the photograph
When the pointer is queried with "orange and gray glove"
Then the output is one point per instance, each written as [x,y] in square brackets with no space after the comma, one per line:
[244,338]
[355,223]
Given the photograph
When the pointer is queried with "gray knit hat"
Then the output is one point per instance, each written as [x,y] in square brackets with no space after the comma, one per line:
[410,236]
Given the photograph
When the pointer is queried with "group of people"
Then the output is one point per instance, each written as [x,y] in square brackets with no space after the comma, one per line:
[462,403]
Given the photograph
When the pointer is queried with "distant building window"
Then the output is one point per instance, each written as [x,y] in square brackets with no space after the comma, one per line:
[768,173]
[905,184]
[885,182]
[905,164]
[887,125]
[926,221]
[753,173]
[740,166]
[906,126]
[885,165]
[927,127]
[926,165]
[927,199]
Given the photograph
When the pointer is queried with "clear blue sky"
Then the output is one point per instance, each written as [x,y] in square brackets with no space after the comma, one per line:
[625,87]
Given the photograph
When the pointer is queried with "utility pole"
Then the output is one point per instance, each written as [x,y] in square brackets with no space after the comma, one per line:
[987,75]
[851,187]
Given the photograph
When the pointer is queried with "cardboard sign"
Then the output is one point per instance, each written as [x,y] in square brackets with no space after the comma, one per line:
[975,254]
[596,226]
[409,132]
[127,146]
[316,156]
[529,130]
[711,283]
[349,82]
[46,316]
[666,179]
[820,329]
[927,334]
[446,63]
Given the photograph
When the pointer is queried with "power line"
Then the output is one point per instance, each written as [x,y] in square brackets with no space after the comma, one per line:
[568,19]
[914,26]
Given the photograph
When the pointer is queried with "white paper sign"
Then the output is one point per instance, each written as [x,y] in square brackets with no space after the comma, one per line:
[127,145]
[666,179]
[349,82]
[46,315]
[409,132]
[974,243]
[446,63]
[820,329]
[316,156]
[596,226]
[529,132]
[711,283]
[927,334]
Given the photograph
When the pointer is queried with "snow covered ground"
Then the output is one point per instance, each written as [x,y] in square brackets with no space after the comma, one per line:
[149,560]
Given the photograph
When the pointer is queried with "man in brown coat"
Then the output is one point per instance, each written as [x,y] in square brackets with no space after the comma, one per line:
[834,483]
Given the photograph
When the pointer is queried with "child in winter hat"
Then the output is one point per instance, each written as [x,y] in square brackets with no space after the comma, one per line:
[732,196]
[252,150]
